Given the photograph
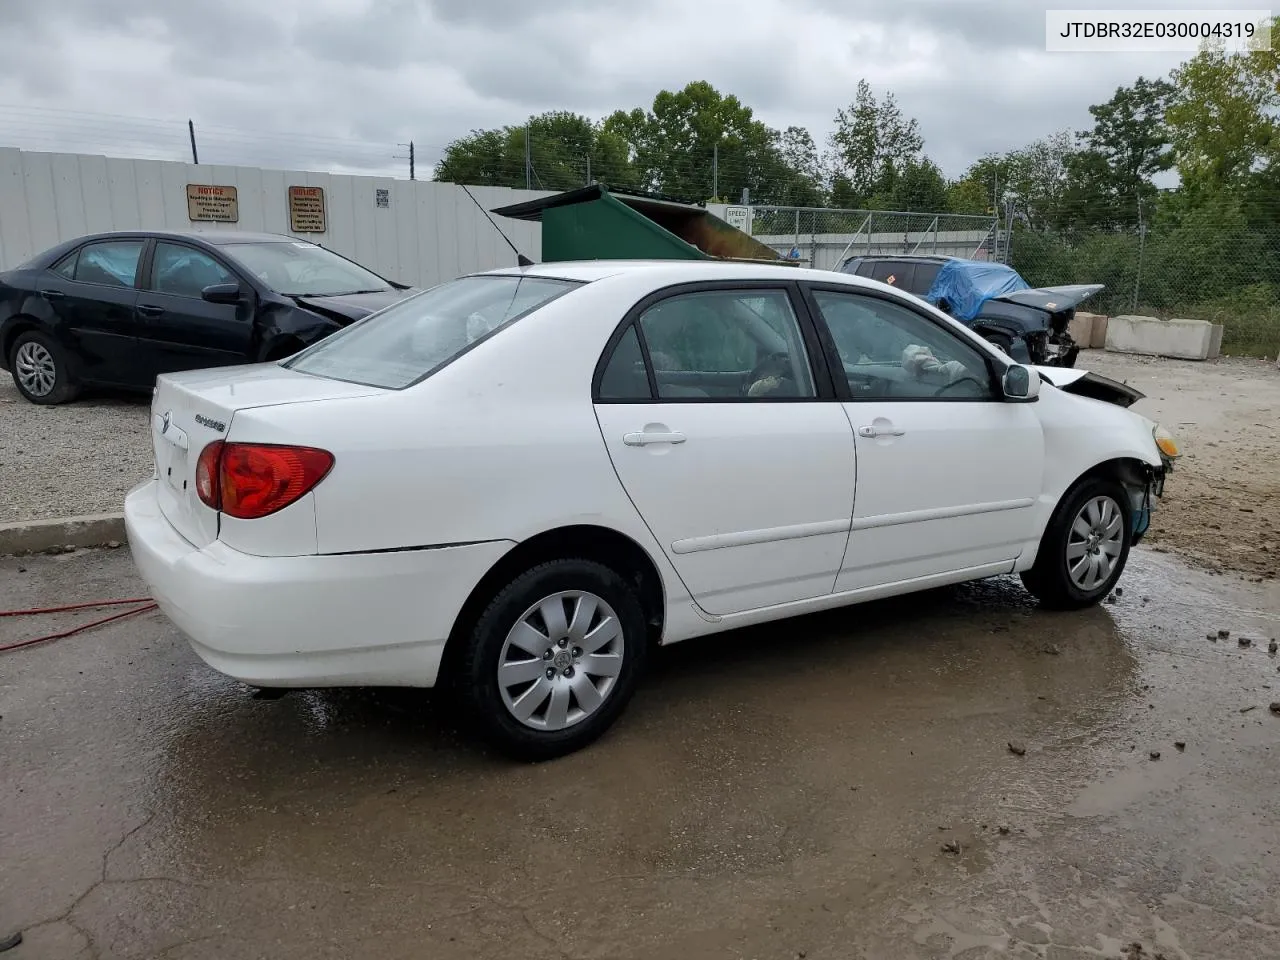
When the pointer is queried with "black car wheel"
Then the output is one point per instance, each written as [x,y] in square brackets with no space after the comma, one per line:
[1001,340]
[1084,548]
[553,660]
[39,369]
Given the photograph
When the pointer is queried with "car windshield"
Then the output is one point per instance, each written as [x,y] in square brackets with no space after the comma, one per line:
[301,269]
[409,341]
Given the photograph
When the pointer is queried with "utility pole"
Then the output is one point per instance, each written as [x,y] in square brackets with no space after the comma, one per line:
[715,171]
[528,160]
[588,169]
[191,132]
[410,158]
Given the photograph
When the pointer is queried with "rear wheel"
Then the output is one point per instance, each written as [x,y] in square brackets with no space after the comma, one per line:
[553,660]
[39,369]
[1084,548]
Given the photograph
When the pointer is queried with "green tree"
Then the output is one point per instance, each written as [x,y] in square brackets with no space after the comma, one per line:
[984,187]
[563,148]
[799,154]
[918,186]
[1222,115]
[696,142]
[870,146]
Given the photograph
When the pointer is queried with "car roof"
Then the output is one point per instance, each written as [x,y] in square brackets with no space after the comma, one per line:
[677,271]
[213,237]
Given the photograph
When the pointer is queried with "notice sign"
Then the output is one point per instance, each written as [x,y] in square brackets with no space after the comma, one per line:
[306,209]
[383,198]
[212,203]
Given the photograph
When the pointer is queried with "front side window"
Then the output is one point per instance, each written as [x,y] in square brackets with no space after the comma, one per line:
[300,269]
[184,271]
[410,340]
[727,344]
[112,263]
[888,351]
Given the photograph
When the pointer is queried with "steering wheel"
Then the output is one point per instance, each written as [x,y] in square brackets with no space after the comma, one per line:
[947,386]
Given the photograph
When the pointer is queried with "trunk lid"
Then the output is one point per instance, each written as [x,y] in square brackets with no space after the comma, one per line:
[192,409]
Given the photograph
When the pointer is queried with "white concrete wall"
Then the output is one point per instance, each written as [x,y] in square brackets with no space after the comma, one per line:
[430,231]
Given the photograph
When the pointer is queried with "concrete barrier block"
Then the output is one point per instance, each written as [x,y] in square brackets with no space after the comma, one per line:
[1099,331]
[1215,342]
[1081,329]
[1150,336]
[1092,327]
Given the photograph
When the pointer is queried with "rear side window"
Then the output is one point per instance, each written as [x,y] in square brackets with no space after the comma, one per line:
[112,263]
[67,266]
[407,342]
[893,272]
[625,376]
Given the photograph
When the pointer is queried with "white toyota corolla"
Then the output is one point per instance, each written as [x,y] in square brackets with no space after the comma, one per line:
[516,482]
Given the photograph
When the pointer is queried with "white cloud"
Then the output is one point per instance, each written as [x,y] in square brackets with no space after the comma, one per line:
[342,82]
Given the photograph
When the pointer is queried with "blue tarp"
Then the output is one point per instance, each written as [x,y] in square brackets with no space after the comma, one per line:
[967,284]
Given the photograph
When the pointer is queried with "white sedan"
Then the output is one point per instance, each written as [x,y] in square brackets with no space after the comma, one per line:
[517,482]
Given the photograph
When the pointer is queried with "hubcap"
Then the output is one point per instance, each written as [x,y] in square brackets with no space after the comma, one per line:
[561,660]
[1093,548]
[35,368]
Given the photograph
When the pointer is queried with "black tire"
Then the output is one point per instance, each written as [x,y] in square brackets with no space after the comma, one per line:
[476,680]
[64,388]
[1003,341]
[1050,579]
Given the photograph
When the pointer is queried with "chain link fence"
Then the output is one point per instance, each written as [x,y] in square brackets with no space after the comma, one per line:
[1221,269]
[825,238]
[1217,265]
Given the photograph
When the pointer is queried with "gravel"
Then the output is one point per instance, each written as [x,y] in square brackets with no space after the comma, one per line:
[70,460]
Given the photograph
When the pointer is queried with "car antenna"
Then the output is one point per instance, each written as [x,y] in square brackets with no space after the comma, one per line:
[521,259]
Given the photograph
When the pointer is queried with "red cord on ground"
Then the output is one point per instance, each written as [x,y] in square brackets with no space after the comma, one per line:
[149,604]
[72,606]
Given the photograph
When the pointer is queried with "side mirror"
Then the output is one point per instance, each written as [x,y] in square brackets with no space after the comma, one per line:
[221,293]
[1021,384]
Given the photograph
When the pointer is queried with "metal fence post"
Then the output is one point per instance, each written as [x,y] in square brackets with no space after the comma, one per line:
[1142,244]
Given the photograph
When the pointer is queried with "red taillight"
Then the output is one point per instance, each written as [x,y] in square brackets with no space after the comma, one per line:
[207,474]
[251,480]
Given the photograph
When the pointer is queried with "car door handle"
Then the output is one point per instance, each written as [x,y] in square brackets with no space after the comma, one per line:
[147,310]
[52,294]
[871,431]
[641,439]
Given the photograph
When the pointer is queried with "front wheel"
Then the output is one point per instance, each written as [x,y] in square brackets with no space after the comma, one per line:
[1084,548]
[554,659]
[1000,341]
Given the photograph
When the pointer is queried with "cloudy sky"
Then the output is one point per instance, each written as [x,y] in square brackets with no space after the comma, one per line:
[338,84]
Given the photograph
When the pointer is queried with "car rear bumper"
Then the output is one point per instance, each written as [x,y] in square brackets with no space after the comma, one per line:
[372,619]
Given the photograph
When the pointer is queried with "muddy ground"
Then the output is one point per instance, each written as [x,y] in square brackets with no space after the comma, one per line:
[839,786]
[1221,508]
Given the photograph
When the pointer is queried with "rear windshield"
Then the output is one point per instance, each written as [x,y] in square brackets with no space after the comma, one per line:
[407,342]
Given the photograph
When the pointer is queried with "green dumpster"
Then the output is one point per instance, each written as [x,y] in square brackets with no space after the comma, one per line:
[596,223]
